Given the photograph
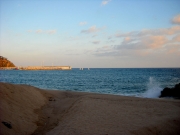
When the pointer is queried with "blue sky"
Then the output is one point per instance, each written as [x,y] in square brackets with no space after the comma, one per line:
[91,33]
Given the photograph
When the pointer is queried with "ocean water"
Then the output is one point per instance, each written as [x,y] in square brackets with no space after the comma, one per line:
[141,82]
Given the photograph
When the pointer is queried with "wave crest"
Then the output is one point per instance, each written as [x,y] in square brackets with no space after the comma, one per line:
[153,89]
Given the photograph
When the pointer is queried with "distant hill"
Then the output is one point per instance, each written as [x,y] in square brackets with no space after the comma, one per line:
[4,62]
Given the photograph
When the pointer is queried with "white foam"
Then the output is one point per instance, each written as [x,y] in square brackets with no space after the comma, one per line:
[153,89]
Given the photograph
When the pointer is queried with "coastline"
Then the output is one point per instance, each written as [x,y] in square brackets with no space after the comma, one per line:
[38,68]
[30,110]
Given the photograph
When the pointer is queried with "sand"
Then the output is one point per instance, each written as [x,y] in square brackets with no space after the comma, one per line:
[26,110]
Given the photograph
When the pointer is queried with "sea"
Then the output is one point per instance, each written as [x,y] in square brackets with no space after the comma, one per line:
[139,82]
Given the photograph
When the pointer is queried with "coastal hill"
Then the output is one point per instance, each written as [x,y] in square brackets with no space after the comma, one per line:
[4,62]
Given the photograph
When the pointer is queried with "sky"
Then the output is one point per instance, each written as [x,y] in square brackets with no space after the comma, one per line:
[91,33]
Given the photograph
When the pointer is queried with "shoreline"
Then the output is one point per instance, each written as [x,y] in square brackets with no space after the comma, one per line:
[30,110]
[37,68]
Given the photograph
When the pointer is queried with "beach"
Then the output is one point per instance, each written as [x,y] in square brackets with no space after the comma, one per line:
[26,110]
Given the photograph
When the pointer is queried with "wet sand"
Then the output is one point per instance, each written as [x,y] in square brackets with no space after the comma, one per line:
[26,110]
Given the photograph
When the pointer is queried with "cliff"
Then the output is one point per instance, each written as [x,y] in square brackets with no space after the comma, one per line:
[4,62]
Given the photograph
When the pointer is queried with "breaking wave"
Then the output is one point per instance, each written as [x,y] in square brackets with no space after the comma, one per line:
[153,89]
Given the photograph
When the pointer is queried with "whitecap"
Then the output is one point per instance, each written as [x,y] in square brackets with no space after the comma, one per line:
[153,89]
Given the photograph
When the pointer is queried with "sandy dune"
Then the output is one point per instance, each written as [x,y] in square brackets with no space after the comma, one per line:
[26,110]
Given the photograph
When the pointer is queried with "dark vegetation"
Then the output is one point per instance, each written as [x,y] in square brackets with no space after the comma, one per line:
[4,62]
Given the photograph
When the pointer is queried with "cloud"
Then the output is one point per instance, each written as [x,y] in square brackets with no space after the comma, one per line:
[176,19]
[139,46]
[176,38]
[92,29]
[94,36]
[106,51]
[96,42]
[40,31]
[147,32]
[173,48]
[149,42]
[153,42]
[51,31]
[172,30]
[110,37]
[127,39]
[29,31]
[82,23]
[104,2]
[145,44]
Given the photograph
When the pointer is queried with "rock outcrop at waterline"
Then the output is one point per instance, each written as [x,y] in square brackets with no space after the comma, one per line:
[4,62]
[171,92]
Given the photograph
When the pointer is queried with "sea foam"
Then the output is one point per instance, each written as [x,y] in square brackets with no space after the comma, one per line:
[153,89]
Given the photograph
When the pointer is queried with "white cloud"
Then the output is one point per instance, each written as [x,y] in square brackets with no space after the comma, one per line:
[148,45]
[176,19]
[92,29]
[82,23]
[104,2]
[145,42]
[149,39]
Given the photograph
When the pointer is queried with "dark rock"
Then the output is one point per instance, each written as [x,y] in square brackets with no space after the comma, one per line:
[7,125]
[171,92]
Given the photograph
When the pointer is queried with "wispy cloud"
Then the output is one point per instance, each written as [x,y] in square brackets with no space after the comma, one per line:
[82,23]
[96,42]
[106,51]
[145,42]
[173,49]
[105,2]
[40,31]
[163,31]
[92,29]
[29,31]
[176,19]
[94,36]
[143,46]
[176,38]
[51,31]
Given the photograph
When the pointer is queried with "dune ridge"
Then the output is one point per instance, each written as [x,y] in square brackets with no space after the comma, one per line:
[30,110]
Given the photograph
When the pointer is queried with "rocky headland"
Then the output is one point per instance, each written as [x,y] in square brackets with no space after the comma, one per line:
[4,62]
